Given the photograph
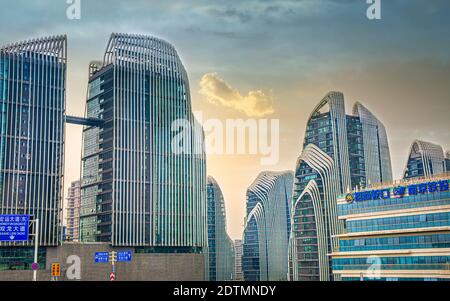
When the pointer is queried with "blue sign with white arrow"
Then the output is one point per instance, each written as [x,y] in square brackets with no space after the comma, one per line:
[124,256]
[14,227]
[101,257]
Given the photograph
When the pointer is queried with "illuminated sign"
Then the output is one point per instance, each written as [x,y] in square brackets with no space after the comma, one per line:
[400,191]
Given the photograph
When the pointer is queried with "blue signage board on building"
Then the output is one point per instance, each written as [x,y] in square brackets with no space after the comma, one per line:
[401,191]
[124,256]
[14,227]
[101,257]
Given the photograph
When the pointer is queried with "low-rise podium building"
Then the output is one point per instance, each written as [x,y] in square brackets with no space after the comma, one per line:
[396,232]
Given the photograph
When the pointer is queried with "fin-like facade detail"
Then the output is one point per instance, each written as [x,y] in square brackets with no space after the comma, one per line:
[33,104]
[220,265]
[377,155]
[267,227]
[136,189]
[425,159]
[340,152]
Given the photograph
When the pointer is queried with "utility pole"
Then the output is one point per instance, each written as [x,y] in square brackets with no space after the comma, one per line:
[113,259]
[36,245]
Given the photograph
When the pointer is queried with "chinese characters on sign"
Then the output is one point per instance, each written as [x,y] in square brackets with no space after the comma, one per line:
[401,191]
[14,227]
[101,257]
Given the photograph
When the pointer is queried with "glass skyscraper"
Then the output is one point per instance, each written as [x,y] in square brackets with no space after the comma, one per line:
[32,109]
[136,190]
[220,265]
[425,159]
[396,232]
[340,152]
[447,161]
[267,226]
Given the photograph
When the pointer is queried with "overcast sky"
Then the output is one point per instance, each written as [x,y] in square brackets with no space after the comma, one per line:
[269,59]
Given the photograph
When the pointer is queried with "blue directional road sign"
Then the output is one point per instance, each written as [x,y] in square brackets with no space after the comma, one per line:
[101,257]
[14,227]
[124,256]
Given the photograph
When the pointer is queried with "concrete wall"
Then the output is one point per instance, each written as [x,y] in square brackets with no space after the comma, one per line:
[144,267]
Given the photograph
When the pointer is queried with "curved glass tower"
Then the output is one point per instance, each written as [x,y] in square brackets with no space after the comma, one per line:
[32,108]
[340,152]
[136,190]
[220,246]
[267,226]
[425,159]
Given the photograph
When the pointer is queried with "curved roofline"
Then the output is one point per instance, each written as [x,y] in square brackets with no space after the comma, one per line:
[211,179]
[323,102]
[356,111]
[421,144]
[261,175]
[133,37]
[52,45]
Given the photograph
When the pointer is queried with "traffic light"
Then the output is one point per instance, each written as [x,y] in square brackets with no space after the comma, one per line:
[112,256]
[56,270]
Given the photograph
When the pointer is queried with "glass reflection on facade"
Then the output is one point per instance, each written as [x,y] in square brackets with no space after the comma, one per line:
[220,265]
[401,236]
[340,152]
[32,108]
[267,227]
[135,190]
[425,159]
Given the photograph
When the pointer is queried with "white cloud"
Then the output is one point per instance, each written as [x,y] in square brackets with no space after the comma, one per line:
[255,104]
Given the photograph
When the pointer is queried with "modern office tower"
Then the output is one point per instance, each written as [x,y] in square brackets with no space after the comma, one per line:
[340,152]
[220,247]
[33,103]
[73,212]
[238,251]
[137,188]
[396,232]
[447,161]
[425,159]
[267,226]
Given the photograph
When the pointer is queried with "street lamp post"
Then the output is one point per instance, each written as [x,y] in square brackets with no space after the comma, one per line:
[36,245]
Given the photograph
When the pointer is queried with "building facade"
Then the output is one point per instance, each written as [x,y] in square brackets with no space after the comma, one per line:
[143,267]
[425,159]
[396,232]
[447,161]
[267,226]
[238,252]
[220,265]
[73,212]
[340,152]
[137,190]
[32,112]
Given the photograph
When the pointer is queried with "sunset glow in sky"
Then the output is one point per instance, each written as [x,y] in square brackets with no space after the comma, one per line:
[268,59]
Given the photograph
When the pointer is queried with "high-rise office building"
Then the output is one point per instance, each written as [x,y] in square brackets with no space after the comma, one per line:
[395,232]
[340,152]
[447,161]
[425,159]
[267,225]
[73,212]
[238,251]
[220,265]
[33,103]
[137,190]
